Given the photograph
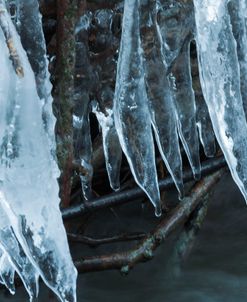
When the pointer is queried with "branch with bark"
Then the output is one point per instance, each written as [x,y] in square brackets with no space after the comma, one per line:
[124,261]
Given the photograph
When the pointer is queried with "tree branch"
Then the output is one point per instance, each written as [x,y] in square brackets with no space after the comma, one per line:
[96,242]
[63,93]
[122,197]
[144,251]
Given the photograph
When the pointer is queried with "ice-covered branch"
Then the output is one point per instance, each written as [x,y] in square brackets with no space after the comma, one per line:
[8,34]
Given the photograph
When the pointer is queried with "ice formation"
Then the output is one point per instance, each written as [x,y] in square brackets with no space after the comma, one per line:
[31,220]
[131,108]
[221,85]
[238,16]
[103,107]
[81,123]
[176,33]
[157,94]
[162,52]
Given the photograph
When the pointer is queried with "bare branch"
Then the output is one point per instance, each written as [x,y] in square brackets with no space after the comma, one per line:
[96,242]
[144,251]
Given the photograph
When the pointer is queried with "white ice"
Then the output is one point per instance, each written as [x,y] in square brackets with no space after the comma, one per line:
[29,188]
[220,80]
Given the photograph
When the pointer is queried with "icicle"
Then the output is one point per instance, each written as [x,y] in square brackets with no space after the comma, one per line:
[111,145]
[29,185]
[83,84]
[175,24]
[131,110]
[10,245]
[106,70]
[175,21]
[33,40]
[220,79]
[238,13]
[204,126]
[7,273]
[162,107]
[203,121]
[185,105]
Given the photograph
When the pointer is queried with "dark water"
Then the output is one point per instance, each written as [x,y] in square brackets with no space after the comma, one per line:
[214,271]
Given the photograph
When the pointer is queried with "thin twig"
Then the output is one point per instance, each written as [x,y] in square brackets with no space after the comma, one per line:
[96,242]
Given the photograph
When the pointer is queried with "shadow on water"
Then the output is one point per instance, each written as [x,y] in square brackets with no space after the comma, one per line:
[214,271]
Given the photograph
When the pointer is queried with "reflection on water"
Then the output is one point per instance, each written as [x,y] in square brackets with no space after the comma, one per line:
[215,271]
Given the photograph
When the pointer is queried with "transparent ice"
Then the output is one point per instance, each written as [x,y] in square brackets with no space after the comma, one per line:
[131,108]
[103,107]
[204,125]
[184,98]
[161,104]
[176,23]
[81,122]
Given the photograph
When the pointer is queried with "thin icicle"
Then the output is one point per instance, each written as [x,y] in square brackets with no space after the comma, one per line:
[106,69]
[81,123]
[161,103]
[220,79]
[131,110]
[10,245]
[111,145]
[7,273]
[204,125]
[37,220]
[186,108]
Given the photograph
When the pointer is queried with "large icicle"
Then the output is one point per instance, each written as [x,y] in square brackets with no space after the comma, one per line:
[163,111]
[106,69]
[220,79]
[29,183]
[131,110]
[238,13]
[7,95]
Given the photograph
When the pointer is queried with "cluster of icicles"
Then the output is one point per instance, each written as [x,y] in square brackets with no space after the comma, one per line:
[154,90]
[153,93]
